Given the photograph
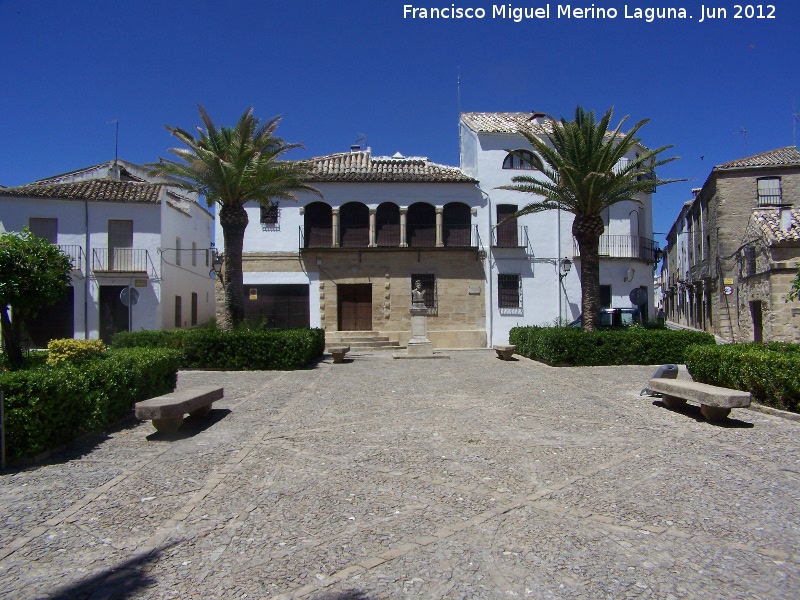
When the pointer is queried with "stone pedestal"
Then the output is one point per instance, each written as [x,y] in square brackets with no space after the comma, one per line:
[419,344]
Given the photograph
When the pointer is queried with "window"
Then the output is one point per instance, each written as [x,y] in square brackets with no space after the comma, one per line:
[194,308]
[769,191]
[178,315]
[519,159]
[178,251]
[194,254]
[269,216]
[428,281]
[44,228]
[509,290]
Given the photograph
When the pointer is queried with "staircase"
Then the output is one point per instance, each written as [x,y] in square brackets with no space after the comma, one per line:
[360,340]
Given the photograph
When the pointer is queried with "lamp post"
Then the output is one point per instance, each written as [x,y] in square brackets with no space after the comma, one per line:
[216,266]
[564,265]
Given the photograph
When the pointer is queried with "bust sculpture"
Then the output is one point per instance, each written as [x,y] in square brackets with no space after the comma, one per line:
[418,294]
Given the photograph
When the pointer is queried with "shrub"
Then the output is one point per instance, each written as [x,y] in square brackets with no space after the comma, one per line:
[770,372]
[73,350]
[242,349]
[629,346]
[51,405]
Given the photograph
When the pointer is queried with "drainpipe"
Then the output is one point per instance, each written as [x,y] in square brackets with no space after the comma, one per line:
[558,268]
[489,254]
[86,287]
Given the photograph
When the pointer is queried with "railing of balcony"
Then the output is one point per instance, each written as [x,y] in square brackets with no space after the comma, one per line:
[129,260]
[76,255]
[315,237]
[506,236]
[459,235]
[770,199]
[388,236]
[624,246]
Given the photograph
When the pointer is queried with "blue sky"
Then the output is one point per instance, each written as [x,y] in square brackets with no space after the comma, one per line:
[337,70]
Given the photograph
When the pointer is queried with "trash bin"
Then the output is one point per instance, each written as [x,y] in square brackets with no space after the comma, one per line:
[668,371]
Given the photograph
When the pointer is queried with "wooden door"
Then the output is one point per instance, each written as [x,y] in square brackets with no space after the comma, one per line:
[355,307]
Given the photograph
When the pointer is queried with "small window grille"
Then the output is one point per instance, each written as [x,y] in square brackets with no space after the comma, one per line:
[509,290]
[428,281]
[269,216]
[769,191]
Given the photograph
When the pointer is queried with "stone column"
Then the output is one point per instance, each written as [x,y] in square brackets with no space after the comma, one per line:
[403,221]
[335,227]
[439,212]
[372,213]
[419,344]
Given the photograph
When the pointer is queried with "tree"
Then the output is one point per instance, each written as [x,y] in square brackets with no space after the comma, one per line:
[33,274]
[794,293]
[584,175]
[231,166]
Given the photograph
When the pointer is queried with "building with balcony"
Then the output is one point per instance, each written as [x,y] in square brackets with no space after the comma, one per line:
[121,231]
[348,261]
[526,280]
[732,252]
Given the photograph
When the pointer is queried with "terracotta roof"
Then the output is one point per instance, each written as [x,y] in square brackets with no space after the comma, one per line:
[769,220]
[362,166]
[782,157]
[505,122]
[102,190]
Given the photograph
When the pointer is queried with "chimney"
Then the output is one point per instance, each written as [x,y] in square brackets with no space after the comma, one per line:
[355,148]
[786,219]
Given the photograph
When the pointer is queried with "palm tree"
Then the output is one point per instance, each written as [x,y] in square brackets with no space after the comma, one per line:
[231,166]
[584,175]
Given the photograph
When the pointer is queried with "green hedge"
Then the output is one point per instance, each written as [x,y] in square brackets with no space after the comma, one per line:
[243,349]
[629,346]
[48,406]
[771,372]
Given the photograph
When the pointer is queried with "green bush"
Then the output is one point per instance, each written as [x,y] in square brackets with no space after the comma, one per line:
[48,406]
[629,346]
[242,349]
[71,350]
[770,372]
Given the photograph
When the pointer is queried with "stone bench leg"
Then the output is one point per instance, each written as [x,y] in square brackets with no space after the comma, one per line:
[168,425]
[201,412]
[673,402]
[505,354]
[714,413]
[338,357]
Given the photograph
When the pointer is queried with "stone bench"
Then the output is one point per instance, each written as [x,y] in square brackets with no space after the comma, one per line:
[338,353]
[715,402]
[167,411]
[505,351]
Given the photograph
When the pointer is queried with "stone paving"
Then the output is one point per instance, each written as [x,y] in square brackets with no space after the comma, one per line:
[380,479]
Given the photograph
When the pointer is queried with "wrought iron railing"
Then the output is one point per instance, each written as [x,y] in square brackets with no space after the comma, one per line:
[76,255]
[127,260]
[624,246]
[388,236]
[509,235]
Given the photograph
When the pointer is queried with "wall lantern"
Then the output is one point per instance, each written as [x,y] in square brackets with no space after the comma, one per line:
[565,264]
[216,266]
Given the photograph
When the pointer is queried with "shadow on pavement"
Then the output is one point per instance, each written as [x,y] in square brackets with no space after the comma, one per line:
[345,595]
[119,582]
[694,412]
[191,426]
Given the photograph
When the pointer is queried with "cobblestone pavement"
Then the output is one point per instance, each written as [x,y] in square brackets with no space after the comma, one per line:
[380,479]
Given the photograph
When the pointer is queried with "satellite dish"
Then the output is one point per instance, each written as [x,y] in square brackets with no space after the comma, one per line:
[129,296]
[638,296]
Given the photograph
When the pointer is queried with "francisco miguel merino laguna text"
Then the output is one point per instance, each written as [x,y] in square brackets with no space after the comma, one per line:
[569,11]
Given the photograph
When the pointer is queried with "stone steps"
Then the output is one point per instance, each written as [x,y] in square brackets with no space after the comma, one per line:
[361,339]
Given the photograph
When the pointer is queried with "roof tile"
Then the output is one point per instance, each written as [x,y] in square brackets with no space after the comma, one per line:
[769,220]
[782,157]
[505,122]
[361,166]
[101,190]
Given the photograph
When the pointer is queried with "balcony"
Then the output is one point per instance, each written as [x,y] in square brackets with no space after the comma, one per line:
[113,261]
[510,235]
[624,246]
[76,255]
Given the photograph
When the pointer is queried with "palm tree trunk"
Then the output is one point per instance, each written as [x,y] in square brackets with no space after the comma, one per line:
[233,220]
[587,232]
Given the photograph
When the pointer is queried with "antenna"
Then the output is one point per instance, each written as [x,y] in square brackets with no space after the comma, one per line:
[743,131]
[458,86]
[116,139]
[362,137]
[795,119]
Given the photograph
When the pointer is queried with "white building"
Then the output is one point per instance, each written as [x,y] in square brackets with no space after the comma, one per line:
[121,231]
[527,284]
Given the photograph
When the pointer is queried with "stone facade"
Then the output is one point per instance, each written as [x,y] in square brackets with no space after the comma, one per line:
[734,236]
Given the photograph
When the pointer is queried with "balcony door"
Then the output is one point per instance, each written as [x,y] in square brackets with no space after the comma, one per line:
[113,313]
[355,307]
[120,245]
